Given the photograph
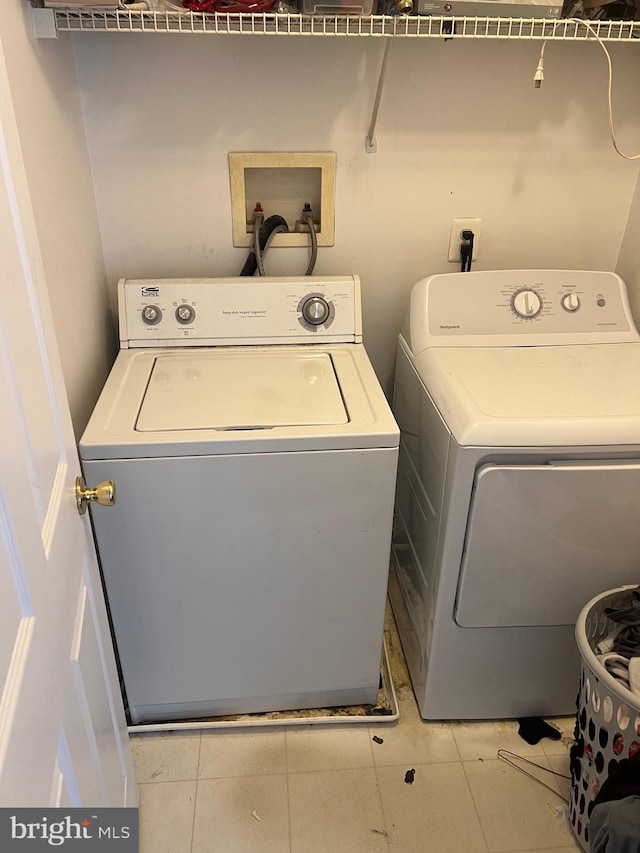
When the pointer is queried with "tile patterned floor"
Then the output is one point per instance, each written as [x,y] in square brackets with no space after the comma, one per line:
[332,788]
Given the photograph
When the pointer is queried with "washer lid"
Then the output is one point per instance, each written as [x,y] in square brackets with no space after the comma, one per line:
[239,390]
[536,396]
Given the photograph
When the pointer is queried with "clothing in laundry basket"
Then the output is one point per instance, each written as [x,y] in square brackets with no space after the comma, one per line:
[615,826]
[619,651]
[615,819]
[625,609]
[605,758]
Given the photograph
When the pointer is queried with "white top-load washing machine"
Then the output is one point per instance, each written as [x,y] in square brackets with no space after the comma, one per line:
[254,455]
[518,399]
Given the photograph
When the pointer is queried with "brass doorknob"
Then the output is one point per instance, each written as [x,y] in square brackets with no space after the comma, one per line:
[104,494]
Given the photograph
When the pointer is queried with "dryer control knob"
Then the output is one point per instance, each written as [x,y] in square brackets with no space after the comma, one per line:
[315,311]
[527,303]
[151,315]
[570,302]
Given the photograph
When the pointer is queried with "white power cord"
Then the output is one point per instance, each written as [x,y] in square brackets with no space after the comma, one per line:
[538,77]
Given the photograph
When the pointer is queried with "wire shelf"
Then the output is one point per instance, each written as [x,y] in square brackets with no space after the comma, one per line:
[342,25]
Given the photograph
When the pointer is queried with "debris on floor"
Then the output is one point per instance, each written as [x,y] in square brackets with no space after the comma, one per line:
[377,739]
[409,776]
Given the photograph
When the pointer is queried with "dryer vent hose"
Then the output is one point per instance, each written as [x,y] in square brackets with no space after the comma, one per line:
[271,226]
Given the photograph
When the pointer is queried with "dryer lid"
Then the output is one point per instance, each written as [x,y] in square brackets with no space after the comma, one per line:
[536,396]
[241,390]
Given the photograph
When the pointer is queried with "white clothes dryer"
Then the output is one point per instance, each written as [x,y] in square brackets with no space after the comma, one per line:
[254,455]
[518,398]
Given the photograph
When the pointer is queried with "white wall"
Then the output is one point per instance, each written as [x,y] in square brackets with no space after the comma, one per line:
[461,132]
[629,260]
[47,106]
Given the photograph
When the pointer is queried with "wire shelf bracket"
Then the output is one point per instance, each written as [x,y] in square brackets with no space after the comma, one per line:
[370,144]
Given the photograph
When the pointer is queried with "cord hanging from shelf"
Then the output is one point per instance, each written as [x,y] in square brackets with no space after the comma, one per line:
[538,78]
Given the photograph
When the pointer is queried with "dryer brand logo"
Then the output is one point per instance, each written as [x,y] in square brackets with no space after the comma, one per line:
[71,829]
[150,291]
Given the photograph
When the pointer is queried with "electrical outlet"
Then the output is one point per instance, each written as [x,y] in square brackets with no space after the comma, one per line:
[458,225]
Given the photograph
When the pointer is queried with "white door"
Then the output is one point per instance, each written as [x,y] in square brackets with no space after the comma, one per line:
[63,737]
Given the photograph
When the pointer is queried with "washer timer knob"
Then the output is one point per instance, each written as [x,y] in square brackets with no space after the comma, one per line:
[185,314]
[315,311]
[151,315]
[527,303]
[570,302]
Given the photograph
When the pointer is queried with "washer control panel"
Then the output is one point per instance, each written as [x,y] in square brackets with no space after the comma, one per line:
[235,311]
[546,306]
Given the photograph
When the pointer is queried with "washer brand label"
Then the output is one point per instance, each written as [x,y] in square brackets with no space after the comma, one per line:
[69,829]
[150,291]
[447,326]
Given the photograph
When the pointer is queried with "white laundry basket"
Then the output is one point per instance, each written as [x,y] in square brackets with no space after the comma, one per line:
[608,717]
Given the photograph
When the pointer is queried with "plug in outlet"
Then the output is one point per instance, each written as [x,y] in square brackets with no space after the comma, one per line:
[457,226]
